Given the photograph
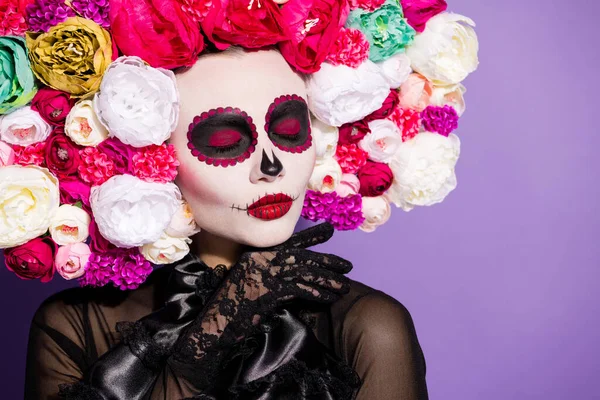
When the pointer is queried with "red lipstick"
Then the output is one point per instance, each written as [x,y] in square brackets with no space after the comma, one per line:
[271,206]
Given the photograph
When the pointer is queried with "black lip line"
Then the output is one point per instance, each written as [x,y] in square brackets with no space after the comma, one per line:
[234,207]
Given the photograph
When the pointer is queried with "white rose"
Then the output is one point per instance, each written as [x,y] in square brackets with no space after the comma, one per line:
[166,250]
[325,139]
[183,224]
[376,210]
[423,170]
[450,95]
[326,176]
[82,125]
[446,51]
[69,225]
[23,127]
[137,103]
[395,69]
[383,140]
[349,185]
[29,197]
[338,94]
[130,212]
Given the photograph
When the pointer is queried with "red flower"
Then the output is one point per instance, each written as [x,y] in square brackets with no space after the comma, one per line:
[351,48]
[95,167]
[72,189]
[12,17]
[196,9]
[32,260]
[353,132]
[388,106]
[409,122]
[375,178]
[247,23]
[351,158]
[418,12]
[158,31]
[33,154]
[314,27]
[156,163]
[62,155]
[52,105]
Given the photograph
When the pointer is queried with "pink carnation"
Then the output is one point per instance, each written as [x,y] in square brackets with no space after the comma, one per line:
[156,163]
[351,48]
[347,215]
[99,270]
[12,18]
[409,122]
[130,269]
[369,5]
[196,9]
[350,157]
[95,167]
[31,155]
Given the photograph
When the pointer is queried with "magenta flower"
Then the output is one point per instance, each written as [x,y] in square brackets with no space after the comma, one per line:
[442,120]
[99,270]
[44,14]
[96,10]
[130,269]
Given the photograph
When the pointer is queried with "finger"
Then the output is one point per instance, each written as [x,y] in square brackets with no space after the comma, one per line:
[315,294]
[312,258]
[312,236]
[319,277]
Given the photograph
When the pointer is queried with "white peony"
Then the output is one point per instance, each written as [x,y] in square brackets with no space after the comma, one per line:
[130,212]
[69,225]
[166,250]
[183,224]
[383,140]
[376,211]
[326,176]
[338,94]
[423,170]
[395,69]
[137,103]
[446,51]
[23,127]
[29,197]
[82,125]
[325,138]
[349,185]
[450,95]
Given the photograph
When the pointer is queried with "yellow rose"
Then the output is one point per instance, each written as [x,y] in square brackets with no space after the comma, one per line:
[72,56]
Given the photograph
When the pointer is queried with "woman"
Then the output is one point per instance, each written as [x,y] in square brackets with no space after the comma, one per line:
[73,332]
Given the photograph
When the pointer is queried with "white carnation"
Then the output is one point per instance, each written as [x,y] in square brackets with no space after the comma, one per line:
[383,140]
[449,95]
[69,225]
[130,212]
[326,176]
[166,250]
[395,69]
[29,198]
[376,211]
[338,94]
[423,170]
[446,51]
[82,125]
[23,127]
[325,138]
[137,103]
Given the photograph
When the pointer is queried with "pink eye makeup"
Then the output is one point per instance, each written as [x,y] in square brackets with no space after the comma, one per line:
[288,124]
[222,136]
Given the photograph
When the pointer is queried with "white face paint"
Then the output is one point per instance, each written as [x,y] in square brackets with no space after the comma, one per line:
[257,199]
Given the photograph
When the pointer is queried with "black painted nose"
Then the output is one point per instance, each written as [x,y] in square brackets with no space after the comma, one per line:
[268,167]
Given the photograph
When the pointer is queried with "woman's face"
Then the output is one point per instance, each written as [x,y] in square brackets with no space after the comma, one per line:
[244,144]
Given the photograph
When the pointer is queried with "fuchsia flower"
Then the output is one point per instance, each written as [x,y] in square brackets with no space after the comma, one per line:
[12,18]
[32,260]
[442,120]
[95,167]
[368,5]
[44,14]
[130,269]
[96,10]
[418,12]
[99,270]
[196,9]
[351,48]
[351,158]
[344,213]
[375,178]
[33,154]
[156,163]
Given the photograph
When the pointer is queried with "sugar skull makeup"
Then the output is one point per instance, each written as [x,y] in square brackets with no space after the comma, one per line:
[244,144]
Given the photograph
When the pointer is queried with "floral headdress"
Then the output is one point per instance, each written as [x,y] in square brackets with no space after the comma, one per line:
[88,101]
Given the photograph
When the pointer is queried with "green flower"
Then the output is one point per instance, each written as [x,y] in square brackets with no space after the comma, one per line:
[17,86]
[386,29]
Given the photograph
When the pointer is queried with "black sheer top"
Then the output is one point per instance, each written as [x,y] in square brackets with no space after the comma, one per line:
[368,332]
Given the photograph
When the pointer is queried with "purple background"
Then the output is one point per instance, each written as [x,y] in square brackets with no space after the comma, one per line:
[501,278]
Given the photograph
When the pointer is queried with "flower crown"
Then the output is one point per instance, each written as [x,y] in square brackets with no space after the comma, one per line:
[88,101]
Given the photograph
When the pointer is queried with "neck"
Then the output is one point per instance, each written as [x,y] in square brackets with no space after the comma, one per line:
[214,250]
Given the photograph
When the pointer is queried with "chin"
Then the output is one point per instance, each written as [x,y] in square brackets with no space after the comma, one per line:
[258,233]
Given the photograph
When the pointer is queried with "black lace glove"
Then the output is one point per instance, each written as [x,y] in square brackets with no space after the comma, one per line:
[260,282]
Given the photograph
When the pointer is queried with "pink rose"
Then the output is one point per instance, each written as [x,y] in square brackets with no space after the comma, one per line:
[349,185]
[247,23]
[7,154]
[418,12]
[415,92]
[62,155]
[52,105]
[375,178]
[71,260]
[32,260]
[72,190]
[158,31]
[388,106]
[314,27]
